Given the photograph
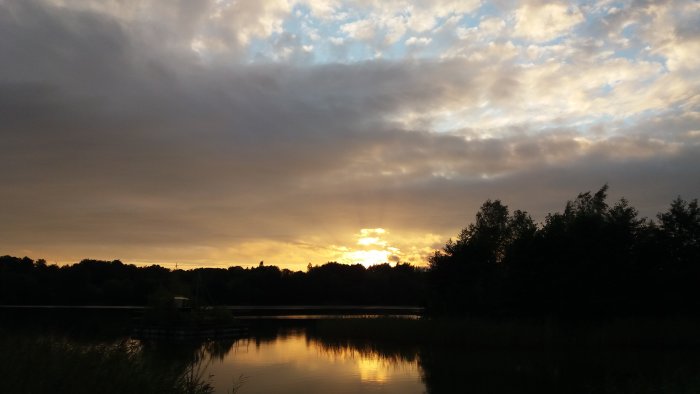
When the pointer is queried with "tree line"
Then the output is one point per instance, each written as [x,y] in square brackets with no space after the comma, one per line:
[592,258]
[95,282]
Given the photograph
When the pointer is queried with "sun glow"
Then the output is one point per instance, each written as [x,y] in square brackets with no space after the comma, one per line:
[368,257]
[371,236]
[372,248]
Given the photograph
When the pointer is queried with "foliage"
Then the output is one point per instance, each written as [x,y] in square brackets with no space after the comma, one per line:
[94,282]
[593,258]
[46,364]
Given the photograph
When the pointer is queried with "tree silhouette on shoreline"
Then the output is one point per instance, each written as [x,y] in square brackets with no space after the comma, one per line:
[593,258]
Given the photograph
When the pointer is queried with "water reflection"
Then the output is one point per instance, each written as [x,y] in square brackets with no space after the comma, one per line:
[580,371]
[369,364]
[294,362]
[306,361]
[311,357]
[372,369]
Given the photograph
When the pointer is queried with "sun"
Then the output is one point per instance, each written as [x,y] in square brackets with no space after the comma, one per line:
[368,257]
[371,248]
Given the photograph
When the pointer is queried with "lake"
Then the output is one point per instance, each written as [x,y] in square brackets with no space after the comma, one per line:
[352,355]
[292,362]
[311,356]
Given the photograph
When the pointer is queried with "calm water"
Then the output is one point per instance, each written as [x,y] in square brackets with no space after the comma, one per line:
[302,360]
[304,355]
[294,363]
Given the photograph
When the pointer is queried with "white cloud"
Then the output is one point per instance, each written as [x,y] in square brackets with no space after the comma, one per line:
[336,40]
[546,21]
[383,23]
[419,41]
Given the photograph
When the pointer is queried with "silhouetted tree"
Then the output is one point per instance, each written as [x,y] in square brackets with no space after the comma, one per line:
[468,274]
[592,258]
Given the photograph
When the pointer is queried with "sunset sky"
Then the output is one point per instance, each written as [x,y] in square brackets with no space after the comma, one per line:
[217,133]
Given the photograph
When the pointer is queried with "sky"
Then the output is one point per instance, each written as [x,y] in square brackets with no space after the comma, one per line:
[218,133]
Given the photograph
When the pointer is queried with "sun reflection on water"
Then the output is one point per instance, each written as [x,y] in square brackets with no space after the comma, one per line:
[372,370]
[299,362]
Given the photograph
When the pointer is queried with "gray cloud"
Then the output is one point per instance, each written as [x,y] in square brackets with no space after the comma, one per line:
[111,143]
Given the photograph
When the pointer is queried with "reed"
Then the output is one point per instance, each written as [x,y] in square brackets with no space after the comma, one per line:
[46,364]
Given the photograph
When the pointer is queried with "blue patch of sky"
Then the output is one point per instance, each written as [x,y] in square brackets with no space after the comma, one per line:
[641,117]
[258,49]
[262,49]
[358,51]
[300,16]
[323,53]
[469,20]
[441,37]
[637,50]
[447,124]
[634,49]
[630,53]
[521,42]
[606,89]
[587,124]
[362,51]
[395,51]
[594,24]
[658,59]
[354,50]
[294,21]
[487,9]
[604,118]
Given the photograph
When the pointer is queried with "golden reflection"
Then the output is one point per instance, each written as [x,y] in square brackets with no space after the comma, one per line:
[330,365]
[372,369]
[371,366]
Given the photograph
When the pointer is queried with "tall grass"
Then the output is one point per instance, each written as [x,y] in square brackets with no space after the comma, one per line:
[30,364]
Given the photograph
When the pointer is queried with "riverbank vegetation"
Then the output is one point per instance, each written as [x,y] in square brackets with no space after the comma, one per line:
[49,364]
[592,259]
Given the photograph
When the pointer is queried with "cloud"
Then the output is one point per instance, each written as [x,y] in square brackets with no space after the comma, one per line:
[121,141]
[545,21]
[418,41]
[384,23]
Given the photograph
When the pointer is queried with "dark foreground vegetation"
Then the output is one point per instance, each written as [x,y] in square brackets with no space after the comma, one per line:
[594,258]
[49,364]
[93,282]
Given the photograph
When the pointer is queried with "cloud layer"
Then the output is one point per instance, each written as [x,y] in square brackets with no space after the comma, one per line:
[232,132]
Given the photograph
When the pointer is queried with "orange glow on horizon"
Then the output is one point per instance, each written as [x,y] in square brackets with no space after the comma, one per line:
[367,257]
[366,246]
